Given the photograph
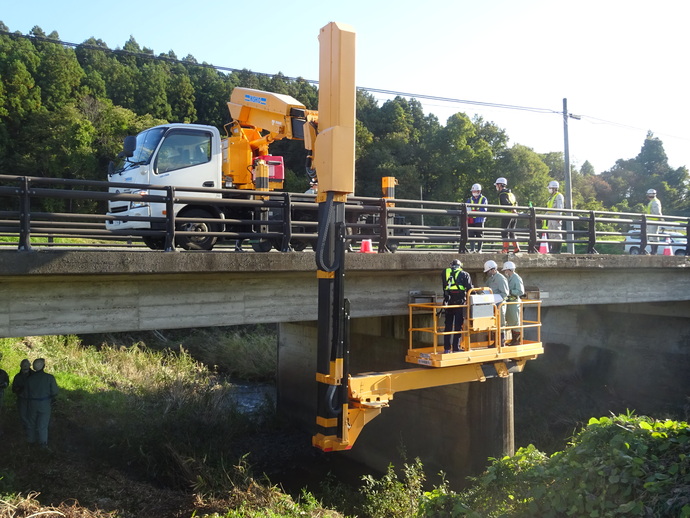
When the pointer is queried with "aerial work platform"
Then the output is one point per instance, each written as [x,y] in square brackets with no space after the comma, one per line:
[480,338]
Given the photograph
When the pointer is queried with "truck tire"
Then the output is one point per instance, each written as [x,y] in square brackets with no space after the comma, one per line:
[154,243]
[262,245]
[201,242]
[634,250]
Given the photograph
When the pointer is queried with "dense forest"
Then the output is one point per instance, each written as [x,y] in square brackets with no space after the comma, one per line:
[64,112]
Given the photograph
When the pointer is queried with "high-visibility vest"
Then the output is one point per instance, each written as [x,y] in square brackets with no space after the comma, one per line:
[511,200]
[452,280]
[648,208]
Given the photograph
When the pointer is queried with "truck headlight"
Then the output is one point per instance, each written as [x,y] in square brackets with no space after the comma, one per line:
[137,204]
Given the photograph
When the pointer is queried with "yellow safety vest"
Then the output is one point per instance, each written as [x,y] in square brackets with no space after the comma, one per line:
[452,280]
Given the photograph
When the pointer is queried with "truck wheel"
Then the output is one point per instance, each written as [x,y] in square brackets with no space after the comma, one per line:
[634,250]
[154,243]
[262,245]
[680,253]
[201,242]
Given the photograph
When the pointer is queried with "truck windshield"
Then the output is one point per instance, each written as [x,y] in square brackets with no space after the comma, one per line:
[147,141]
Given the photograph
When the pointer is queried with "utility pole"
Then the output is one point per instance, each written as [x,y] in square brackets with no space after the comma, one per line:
[568,178]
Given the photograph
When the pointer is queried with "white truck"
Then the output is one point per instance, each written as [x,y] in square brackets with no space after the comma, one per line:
[196,156]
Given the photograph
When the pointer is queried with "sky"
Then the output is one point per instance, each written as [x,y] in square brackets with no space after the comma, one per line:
[621,64]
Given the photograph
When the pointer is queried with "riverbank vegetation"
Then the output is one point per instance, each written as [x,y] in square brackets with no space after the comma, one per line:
[151,430]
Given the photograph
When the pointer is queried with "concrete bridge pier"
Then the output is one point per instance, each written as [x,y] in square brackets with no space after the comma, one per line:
[453,429]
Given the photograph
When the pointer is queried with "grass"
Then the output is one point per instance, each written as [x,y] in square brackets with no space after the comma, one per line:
[142,427]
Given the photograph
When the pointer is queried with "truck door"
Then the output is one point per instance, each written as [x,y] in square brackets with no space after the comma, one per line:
[188,157]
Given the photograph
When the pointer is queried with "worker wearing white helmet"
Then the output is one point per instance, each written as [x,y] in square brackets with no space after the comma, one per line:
[507,199]
[499,286]
[456,284]
[475,224]
[516,289]
[554,226]
[653,208]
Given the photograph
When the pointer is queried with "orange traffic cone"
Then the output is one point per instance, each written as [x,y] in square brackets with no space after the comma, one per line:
[366,247]
[544,247]
[667,248]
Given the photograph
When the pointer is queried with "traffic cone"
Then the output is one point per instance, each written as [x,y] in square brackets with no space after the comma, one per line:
[366,247]
[667,248]
[544,247]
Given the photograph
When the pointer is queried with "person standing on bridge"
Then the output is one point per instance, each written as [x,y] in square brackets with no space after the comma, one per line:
[653,207]
[476,224]
[516,289]
[41,389]
[19,389]
[507,199]
[557,201]
[499,286]
[456,284]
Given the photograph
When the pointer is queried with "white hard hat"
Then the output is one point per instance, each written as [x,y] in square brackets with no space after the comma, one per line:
[509,265]
[651,192]
[489,265]
[476,187]
[553,184]
[501,180]
[456,263]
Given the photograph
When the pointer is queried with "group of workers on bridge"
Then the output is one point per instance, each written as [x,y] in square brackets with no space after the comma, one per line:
[36,391]
[457,283]
[552,227]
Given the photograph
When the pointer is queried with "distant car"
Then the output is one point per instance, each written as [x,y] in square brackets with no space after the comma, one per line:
[678,243]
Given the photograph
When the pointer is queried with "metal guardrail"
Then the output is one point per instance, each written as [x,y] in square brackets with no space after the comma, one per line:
[288,221]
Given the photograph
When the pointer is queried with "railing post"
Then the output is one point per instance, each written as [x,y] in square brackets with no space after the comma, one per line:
[170,219]
[383,227]
[287,223]
[533,245]
[643,235]
[592,237]
[25,217]
[464,229]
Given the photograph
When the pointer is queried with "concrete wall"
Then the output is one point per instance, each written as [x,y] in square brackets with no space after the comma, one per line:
[452,429]
[634,356]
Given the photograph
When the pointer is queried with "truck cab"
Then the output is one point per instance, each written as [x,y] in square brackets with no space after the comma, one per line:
[177,155]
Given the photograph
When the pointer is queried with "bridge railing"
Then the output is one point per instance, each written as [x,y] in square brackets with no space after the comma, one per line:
[53,211]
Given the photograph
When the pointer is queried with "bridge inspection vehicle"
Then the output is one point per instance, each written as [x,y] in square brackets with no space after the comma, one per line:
[347,402]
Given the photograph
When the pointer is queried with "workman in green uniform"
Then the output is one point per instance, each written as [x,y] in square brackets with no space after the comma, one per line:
[41,389]
[19,390]
[456,284]
[516,289]
[508,200]
[499,286]
[4,383]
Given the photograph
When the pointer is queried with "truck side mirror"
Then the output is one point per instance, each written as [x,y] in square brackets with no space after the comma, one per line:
[111,168]
[129,146]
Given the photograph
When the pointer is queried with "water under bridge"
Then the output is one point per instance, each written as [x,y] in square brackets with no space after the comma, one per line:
[636,308]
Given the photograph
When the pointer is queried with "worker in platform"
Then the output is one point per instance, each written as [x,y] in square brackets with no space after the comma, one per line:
[42,390]
[456,284]
[554,226]
[508,200]
[499,286]
[475,224]
[516,290]
[19,390]
[653,208]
